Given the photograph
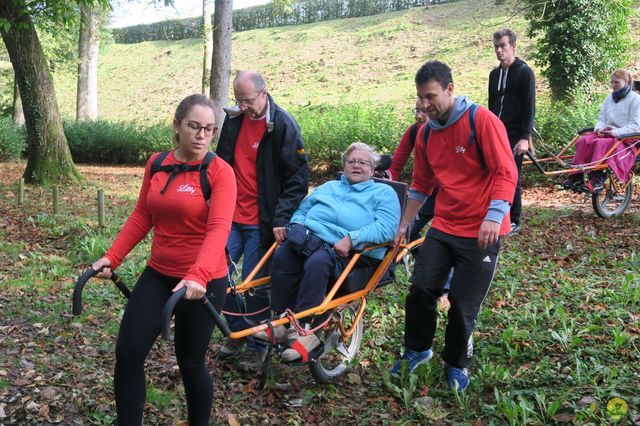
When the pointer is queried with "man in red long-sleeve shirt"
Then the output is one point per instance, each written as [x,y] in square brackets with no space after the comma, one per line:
[476,176]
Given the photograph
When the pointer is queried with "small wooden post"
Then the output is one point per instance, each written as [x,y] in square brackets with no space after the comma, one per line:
[21,191]
[56,194]
[101,208]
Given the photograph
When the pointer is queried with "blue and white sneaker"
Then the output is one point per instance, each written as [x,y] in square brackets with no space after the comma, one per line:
[457,378]
[413,359]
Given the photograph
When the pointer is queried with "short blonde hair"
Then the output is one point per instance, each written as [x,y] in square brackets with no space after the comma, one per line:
[375,158]
[623,75]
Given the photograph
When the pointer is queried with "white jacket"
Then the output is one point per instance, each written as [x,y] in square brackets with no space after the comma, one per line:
[622,117]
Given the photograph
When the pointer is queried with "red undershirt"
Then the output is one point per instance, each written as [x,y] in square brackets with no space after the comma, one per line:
[244,166]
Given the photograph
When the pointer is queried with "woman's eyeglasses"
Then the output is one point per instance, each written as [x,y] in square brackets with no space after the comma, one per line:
[196,127]
[360,163]
[419,110]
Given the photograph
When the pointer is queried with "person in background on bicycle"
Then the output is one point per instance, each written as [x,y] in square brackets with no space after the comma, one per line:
[619,115]
[187,251]
[476,176]
[340,214]
[512,97]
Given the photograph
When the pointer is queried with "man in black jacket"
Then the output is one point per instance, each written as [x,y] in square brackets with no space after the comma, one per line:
[512,97]
[263,144]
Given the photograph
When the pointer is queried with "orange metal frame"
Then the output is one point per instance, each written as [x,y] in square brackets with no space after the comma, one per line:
[329,302]
[562,156]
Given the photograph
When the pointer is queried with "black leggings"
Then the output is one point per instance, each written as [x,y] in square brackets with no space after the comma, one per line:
[140,328]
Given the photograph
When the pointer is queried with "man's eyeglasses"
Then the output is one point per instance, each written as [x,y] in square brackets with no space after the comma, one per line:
[196,127]
[419,110]
[245,102]
[360,163]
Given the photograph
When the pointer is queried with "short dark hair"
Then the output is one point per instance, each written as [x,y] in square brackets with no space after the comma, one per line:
[185,106]
[505,32]
[434,71]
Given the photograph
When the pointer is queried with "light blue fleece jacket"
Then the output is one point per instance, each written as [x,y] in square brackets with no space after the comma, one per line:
[369,212]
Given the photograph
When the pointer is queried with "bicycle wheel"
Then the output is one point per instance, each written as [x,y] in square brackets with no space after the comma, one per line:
[338,353]
[608,203]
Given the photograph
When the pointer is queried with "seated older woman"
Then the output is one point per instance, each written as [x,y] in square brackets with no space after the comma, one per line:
[619,115]
[342,214]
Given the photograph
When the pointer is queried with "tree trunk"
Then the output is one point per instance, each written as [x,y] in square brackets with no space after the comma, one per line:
[18,113]
[221,63]
[207,36]
[88,44]
[49,159]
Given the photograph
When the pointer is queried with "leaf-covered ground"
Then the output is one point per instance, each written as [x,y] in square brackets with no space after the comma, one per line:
[557,339]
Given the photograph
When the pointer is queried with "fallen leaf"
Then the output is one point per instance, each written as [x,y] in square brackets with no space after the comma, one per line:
[563,417]
[231,419]
[44,411]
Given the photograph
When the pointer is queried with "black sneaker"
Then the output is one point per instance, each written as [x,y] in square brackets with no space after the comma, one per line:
[515,228]
[597,180]
[251,361]
[574,182]
[231,348]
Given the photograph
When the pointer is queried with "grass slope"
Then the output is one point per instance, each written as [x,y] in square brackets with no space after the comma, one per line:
[343,61]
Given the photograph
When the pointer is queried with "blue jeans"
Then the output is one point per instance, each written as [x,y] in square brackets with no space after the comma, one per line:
[244,241]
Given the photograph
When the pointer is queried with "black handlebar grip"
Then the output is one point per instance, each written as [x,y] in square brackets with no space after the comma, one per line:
[222,324]
[167,312]
[77,290]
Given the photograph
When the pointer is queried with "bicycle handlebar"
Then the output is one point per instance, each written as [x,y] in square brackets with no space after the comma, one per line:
[82,280]
[167,313]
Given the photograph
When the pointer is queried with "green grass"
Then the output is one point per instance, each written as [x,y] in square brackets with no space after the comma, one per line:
[337,62]
[557,336]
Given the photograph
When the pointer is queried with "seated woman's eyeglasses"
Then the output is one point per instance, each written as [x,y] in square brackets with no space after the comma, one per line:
[419,110]
[196,127]
[360,163]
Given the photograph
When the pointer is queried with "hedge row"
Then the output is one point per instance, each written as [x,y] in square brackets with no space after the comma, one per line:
[300,12]
[327,131]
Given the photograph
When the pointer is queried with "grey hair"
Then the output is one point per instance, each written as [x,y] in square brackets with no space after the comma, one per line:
[375,158]
[255,77]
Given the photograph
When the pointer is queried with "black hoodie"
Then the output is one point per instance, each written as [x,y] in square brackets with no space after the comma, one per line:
[512,97]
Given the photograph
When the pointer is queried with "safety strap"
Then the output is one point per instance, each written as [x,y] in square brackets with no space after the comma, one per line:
[174,169]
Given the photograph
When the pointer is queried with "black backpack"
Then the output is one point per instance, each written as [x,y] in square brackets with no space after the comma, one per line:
[472,134]
[174,169]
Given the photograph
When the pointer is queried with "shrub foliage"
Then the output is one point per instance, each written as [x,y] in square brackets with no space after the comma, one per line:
[581,41]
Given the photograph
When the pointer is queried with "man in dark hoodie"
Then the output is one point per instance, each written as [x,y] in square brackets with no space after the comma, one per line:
[476,178]
[512,97]
[263,144]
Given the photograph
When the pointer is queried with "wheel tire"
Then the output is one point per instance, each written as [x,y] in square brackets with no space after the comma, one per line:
[608,203]
[338,353]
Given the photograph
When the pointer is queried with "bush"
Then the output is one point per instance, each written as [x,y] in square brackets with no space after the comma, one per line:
[328,131]
[558,122]
[13,140]
[105,142]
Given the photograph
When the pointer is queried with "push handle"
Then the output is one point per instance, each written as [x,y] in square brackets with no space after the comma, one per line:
[167,313]
[82,280]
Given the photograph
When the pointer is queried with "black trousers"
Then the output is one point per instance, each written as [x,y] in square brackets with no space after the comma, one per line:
[139,329]
[473,272]
[299,282]
[516,206]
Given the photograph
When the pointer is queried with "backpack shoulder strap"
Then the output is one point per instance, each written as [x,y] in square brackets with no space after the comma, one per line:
[413,133]
[472,133]
[205,185]
[426,131]
[156,166]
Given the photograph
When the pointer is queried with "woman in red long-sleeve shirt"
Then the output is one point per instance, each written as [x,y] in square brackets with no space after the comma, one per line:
[189,238]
